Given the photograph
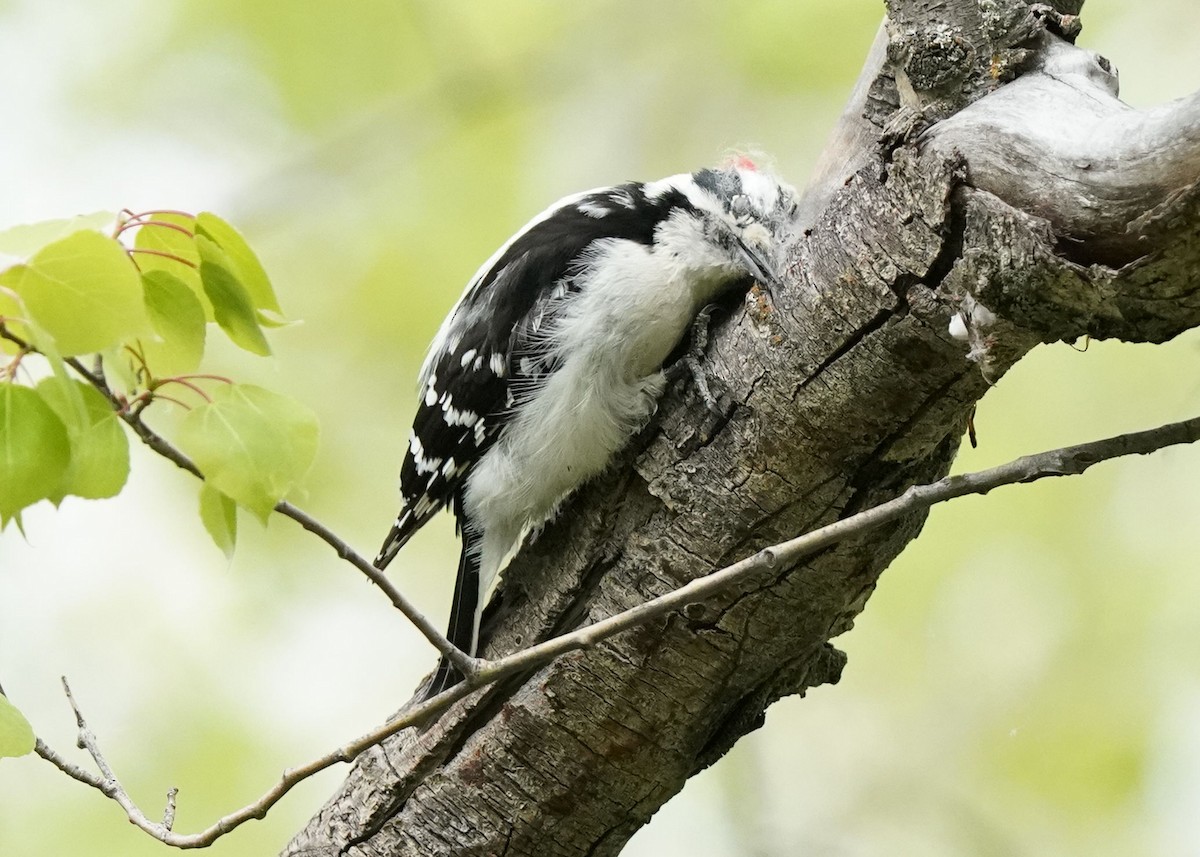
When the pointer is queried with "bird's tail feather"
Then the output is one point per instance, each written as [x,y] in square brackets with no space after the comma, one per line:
[462,630]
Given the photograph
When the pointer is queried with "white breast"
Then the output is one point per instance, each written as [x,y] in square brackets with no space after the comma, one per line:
[611,341]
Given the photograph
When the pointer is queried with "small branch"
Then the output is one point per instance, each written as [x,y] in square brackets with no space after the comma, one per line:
[107,783]
[1068,461]
[461,660]
[69,768]
[168,821]
[466,664]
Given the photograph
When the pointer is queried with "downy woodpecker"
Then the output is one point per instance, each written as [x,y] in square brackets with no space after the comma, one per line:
[552,358]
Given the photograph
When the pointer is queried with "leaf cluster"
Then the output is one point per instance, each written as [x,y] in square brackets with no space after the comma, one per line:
[135,296]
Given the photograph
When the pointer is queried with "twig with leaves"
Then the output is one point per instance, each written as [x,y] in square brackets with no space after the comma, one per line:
[159,444]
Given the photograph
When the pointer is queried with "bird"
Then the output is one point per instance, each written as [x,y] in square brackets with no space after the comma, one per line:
[552,358]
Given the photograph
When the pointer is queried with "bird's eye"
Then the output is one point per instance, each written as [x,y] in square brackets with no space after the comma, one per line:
[739,206]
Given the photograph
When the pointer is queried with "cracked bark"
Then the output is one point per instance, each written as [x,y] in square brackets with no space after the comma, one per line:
[1044,199]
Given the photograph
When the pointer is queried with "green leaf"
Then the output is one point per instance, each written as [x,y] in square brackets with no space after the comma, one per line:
[21,242]
[34,450]
[167,244]
[230,300]
[16,735]
[83,291]
[244,262]
[251,444]
[99,446]
[178,318]
[218,513]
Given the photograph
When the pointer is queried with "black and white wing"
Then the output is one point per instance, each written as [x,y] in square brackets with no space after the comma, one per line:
[490,352]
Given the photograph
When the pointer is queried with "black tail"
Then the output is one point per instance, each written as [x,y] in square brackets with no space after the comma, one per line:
[462,618]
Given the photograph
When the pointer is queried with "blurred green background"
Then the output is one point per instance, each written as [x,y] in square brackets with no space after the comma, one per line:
[1025,681]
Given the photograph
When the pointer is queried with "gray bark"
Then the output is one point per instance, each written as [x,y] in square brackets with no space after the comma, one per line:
[1039,209]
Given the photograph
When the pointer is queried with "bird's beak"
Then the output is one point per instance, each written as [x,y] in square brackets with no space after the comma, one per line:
[758,266]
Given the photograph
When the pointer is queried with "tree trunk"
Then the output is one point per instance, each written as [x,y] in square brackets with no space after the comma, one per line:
[984,171]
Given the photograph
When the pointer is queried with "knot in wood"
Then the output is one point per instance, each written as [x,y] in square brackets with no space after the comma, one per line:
[931,57]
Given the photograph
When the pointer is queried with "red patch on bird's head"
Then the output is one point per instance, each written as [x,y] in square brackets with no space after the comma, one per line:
[742,162]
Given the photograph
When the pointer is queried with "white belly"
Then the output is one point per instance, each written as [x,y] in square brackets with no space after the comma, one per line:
[611,340]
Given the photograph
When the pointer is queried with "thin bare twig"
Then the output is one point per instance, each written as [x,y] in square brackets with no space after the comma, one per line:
[1068,461]
[106,781]
[466,664]
[168,821]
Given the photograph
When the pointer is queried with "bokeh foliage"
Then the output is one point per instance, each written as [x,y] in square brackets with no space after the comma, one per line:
[1023,682]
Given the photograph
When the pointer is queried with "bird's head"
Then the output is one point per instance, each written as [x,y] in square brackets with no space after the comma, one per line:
[747,215]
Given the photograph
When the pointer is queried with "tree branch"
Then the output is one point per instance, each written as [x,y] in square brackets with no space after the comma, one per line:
[1068,461]
[159,444]
[1058,143]
[848,389]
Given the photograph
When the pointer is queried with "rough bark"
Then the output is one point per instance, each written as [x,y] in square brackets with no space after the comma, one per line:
[846,387]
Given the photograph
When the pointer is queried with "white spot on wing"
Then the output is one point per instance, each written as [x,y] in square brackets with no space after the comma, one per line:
[449,335]
[593,209]
[467,357]
[623,197]
[455,417]
[423,464]
[497,364]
